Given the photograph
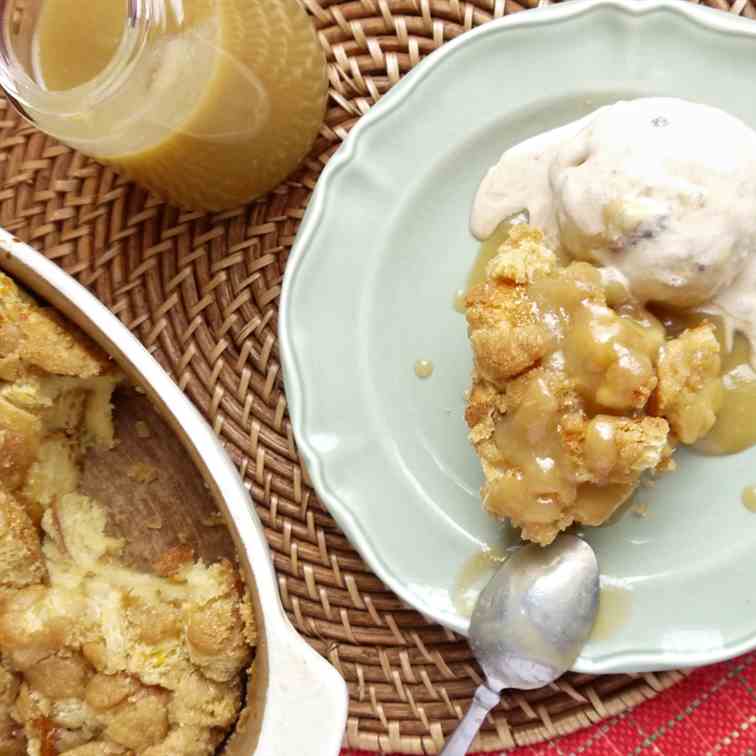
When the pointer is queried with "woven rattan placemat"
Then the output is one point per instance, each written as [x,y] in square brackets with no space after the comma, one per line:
[201,292]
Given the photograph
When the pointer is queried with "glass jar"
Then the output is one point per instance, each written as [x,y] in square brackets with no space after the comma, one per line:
[208,103]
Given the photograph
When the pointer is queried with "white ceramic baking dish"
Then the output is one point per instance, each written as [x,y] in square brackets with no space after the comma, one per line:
[297,702]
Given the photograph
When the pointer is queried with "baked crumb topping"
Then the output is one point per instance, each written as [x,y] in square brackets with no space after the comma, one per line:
[96,658]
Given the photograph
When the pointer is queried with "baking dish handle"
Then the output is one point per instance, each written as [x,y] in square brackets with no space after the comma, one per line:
[306,706]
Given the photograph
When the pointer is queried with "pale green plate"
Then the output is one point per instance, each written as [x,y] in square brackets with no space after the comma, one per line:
[369,288]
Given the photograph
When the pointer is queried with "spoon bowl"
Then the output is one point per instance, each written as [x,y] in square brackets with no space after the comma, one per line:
[529,625]
[536,613]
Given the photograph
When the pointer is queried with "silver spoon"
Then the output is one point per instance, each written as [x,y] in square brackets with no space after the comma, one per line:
[529,624]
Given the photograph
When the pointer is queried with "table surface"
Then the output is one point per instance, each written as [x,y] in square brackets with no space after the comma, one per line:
[711,712]
[201,293]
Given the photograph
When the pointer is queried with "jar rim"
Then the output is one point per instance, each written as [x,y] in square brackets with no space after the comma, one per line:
[30,96]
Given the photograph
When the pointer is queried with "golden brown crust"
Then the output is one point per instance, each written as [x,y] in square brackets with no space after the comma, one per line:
[522,258]
[140,722]
[215,638]
[55,389]
[505,330]
[171,561]
[96,659]
[187,740]
[17,454]
[119,658]
[639,444]
[12,740]
[32,336]
[99,748]
[689,393]
[21,562]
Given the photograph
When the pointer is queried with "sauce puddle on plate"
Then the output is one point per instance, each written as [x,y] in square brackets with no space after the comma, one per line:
[459,301]
[735,428]
[749,498]
[478,570]
[486,252]
[615,601]
[615,608]
[424,368]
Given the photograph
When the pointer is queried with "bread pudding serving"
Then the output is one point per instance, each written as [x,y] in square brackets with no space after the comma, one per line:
[577,389]
[96,657]
[622,322]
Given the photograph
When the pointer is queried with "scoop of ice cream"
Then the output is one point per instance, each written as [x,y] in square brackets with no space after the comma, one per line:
[663,190]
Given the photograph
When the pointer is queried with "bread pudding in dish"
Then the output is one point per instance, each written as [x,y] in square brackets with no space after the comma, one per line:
[578,390]
[96,657]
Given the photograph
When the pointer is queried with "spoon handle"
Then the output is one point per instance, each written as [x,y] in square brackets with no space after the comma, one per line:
[483,701]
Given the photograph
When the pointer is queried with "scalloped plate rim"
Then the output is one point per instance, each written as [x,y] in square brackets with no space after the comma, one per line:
[626,660]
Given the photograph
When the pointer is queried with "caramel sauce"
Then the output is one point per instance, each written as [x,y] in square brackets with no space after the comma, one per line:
[735,428]
[212,137]
[459,301]
[610,354]
[529,442]
[424,368]
[488,250]
[615,602]
[475,573]
[749,498]
[615,608]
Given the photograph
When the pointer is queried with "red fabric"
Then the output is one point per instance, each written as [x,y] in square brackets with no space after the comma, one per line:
[710,713]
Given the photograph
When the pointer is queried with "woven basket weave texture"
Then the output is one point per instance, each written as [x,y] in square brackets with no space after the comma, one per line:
[201,292]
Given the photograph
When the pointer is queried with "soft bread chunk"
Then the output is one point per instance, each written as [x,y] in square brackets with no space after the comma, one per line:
[21,562]
[32,336]
[12,739]
[689,393]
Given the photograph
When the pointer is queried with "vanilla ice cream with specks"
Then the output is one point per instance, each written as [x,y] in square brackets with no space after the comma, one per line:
[661,190]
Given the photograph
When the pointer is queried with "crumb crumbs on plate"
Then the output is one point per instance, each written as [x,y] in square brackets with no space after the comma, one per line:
[213,520]
[154,523]
[142,429]
[141,472]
